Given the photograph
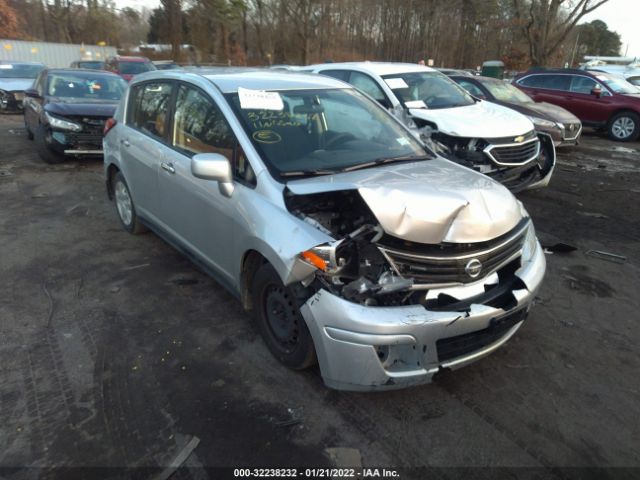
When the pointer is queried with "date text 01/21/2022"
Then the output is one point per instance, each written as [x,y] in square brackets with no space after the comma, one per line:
[315,473]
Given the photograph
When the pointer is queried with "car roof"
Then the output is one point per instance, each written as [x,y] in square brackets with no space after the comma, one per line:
[567,71]
[479,78]
[120,58]
[228,80]
[82,70]
[19,62]
[376,68]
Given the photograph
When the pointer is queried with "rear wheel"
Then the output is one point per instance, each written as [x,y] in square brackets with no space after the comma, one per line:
[124,206]
[280,321]
[43,145]
[624,127]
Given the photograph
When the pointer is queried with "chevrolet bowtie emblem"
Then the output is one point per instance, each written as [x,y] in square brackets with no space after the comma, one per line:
[519,139]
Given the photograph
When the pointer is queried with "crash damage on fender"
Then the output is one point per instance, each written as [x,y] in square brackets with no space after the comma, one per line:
[421,273]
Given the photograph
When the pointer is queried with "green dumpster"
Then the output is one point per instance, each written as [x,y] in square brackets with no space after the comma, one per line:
[493,68]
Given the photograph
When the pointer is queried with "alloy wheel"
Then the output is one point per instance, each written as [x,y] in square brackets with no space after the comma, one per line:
[623,127]
[123,203]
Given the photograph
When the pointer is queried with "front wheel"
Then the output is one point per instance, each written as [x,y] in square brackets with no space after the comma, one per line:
[28,130]
[624,127]
[43,145]
[124,206]
[280,321]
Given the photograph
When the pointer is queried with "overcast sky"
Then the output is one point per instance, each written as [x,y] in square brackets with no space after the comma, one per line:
[620,15]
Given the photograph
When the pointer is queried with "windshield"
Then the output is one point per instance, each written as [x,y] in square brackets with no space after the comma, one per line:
[16,70]
[314,132]
[506,92]
[433,88]
[617,84]
[134,68]
[85,86]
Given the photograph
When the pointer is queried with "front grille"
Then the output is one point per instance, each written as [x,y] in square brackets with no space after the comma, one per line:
[460,345]
[448,264]
[91,134]
[84,139]
[514,153]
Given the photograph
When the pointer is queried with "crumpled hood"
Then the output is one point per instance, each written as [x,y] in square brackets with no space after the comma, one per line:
[15,84]
[480,120]
[71,108]
[430,202]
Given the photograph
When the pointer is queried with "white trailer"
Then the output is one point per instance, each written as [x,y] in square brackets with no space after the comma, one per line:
[53,55]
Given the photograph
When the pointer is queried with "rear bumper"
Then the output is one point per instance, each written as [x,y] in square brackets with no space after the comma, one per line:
[377,348]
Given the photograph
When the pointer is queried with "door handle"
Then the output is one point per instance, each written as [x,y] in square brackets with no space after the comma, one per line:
[125,142]
[168,167]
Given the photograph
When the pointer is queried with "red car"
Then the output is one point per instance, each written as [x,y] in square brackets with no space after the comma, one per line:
[598,99]
[128,67]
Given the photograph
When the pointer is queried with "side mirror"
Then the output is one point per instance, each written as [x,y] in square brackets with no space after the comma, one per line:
[213,166]
[596,91]
[32,93]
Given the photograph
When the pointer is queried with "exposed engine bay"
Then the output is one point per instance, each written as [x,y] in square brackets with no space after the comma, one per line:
[471,153]
[364,264]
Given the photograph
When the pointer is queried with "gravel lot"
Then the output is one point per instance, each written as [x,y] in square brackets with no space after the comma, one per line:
[115,351]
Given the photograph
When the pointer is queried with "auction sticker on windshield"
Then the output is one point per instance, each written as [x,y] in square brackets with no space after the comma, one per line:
[395,83]
[259,100]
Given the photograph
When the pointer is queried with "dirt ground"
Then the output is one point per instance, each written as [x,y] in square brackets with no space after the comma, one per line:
[116,352]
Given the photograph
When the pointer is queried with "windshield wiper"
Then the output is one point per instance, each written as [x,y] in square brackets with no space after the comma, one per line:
[304,173]
[384,160]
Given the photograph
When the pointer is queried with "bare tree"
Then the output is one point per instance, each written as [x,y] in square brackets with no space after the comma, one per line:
[547,23]
[8,21]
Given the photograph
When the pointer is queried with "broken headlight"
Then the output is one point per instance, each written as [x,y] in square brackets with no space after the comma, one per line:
[541,122]
[530,244]
[62,124]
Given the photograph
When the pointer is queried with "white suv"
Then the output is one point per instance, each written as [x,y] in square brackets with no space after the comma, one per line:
[481,135]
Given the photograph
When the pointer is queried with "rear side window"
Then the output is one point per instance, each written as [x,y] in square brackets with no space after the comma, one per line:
[149,108]
[551,82]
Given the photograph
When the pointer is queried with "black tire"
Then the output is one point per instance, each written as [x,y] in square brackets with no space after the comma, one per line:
[125,208]
[44,150]
[29,132]
[277,314]
[624,127]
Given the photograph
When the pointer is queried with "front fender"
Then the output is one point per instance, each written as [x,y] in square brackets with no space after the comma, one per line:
[277,235]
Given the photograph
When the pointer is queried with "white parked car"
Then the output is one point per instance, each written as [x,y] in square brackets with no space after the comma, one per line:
[486,137]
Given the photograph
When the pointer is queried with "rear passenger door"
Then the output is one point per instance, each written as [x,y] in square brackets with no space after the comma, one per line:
[143,143]
[547,87]
[197,214]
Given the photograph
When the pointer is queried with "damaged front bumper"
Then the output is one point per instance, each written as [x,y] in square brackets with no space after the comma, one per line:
[373,348]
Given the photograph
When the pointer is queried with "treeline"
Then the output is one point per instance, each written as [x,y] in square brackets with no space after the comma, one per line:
[455,33]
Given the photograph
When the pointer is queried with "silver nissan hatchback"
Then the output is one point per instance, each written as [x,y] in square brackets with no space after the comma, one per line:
[352,244]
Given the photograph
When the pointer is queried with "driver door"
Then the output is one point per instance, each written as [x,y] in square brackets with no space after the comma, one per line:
[198,215]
